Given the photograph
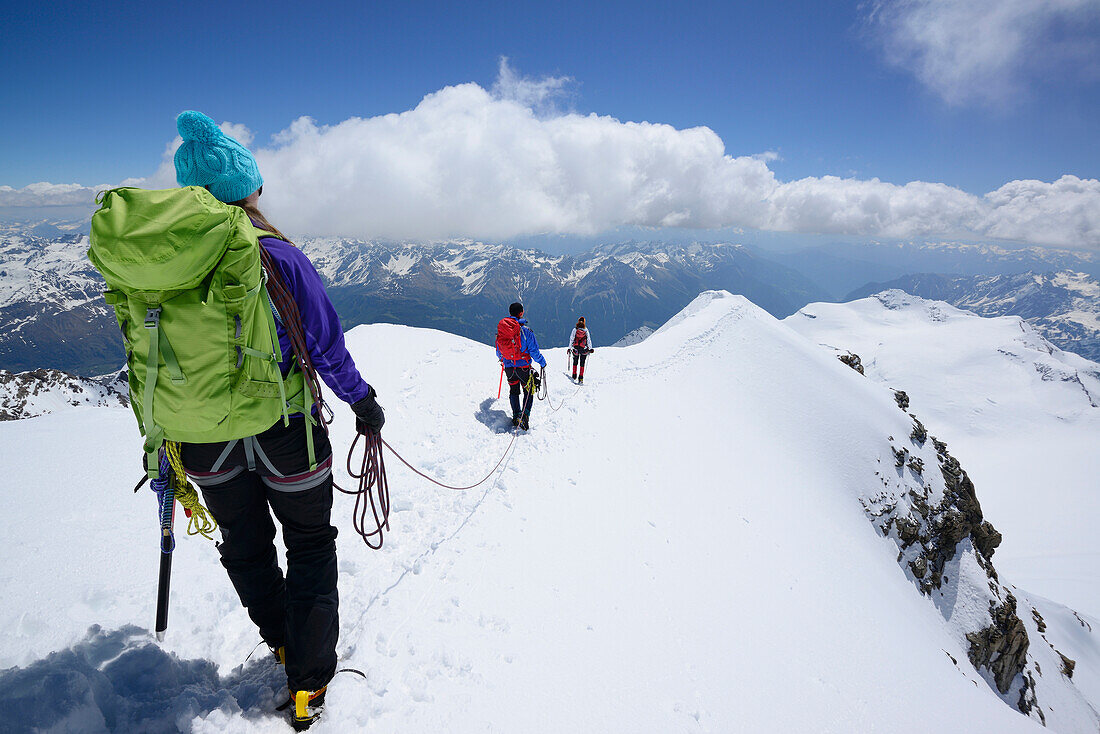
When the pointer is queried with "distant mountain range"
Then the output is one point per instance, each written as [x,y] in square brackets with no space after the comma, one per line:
[52,314]
[839,268]
[465,288]
[1062,306]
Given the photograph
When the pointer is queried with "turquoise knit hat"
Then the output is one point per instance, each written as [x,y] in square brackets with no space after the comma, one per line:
[208,157]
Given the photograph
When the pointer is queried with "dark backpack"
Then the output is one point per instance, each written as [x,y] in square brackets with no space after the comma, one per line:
[580,341]
[509,341]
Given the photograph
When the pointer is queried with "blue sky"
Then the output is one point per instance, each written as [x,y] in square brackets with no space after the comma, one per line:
[830,88]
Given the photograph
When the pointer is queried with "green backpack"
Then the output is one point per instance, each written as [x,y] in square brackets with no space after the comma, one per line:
[185,280]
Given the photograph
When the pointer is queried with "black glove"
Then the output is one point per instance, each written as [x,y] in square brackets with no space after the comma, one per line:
[369,416]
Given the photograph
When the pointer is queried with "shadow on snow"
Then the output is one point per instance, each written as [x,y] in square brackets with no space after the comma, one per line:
[497,421]
[122,681]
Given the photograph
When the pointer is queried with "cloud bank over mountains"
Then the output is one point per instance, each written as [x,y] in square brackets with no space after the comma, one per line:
[501,163]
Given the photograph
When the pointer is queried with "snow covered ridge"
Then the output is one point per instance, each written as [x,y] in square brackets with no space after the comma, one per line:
[1063,306]
[38,392]
[694,521]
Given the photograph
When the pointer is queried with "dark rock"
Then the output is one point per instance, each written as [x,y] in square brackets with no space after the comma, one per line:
[902,399]
[920,433]
[908,531]
[1040,622]
[1067,665]
[1028,701]
[919,566]
[853,361]
[1001,647]
[900,455]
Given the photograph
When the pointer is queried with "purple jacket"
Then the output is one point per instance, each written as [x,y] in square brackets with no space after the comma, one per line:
[324,337]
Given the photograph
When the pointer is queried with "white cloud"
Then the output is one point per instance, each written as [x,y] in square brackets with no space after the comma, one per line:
[983,50]
[1066,211]
[536,93]
[48,194]
[474,163]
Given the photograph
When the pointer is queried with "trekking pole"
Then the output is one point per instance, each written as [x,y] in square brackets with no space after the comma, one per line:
[501,385]
[164,486]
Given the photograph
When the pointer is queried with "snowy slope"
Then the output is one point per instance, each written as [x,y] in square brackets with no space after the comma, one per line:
[683,545]
[37,392]
[1019,413]
[1062,306]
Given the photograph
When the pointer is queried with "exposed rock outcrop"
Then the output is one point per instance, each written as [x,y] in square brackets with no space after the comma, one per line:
[853,361]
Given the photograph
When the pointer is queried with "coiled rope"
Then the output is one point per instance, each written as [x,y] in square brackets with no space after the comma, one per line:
[373,491]
[171,489]
[543,391]
[199,522]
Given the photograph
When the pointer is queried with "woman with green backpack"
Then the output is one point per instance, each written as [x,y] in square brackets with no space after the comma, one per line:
[227,326]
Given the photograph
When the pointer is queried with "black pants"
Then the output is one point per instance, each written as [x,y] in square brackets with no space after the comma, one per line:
[581,357]
[301,611]
[517,380]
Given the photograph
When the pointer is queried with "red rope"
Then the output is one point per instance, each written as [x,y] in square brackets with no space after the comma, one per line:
[373,493]
[448,486]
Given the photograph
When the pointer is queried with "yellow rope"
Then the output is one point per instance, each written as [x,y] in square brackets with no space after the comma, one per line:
[201,522]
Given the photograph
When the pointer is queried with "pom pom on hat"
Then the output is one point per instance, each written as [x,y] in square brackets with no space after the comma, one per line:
[198,127]
[210,158]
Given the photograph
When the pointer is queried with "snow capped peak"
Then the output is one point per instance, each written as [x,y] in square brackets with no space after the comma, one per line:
[635,337]
[38,392]
[712,301]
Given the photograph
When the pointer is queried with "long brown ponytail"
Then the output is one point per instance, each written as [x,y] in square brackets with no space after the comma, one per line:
[259,219]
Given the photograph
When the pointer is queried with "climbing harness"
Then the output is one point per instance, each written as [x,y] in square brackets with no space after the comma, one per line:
[535,383]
